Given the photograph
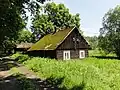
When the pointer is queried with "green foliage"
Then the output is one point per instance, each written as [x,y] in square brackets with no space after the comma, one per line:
[100,53]
[93,41]
[24,36]
[109,38]
[88,74]
[54,16]
[20,57]
[16,55]
[7,46]
[13,17]
[23,58]
[95,52]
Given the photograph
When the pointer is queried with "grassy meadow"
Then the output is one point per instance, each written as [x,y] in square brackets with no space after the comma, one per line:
[92,73]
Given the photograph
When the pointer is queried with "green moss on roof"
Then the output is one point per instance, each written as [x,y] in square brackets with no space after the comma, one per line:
[51,41]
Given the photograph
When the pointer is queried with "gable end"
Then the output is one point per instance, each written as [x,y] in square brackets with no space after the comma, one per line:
[74,40]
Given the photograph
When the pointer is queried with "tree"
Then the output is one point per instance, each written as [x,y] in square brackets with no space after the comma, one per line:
[13,16]
[109,38]
[53,17]
[24,36]
[93,41]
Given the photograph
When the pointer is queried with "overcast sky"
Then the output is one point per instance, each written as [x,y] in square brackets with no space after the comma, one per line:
[91,12]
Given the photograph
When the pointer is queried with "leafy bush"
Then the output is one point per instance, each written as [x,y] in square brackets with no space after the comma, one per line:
[20,57]
[16,55]
[23,58]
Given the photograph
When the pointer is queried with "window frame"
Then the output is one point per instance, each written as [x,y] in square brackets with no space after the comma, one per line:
[66,55]
[80,56]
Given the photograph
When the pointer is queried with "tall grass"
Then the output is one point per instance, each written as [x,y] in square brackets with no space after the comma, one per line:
[96,74]
[92,73]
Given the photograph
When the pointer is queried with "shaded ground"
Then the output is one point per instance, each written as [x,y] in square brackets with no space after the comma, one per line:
[18,83]
[27,80]
[10,82]
[5,65]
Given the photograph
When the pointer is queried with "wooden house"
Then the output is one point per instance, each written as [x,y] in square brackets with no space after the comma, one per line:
[64,44]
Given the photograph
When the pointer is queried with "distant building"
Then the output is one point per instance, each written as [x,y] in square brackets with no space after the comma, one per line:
[23,47]
[64,44]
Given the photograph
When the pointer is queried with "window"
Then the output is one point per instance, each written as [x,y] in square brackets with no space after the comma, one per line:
[78,40]
[66,55]
[81,54]
[74,39]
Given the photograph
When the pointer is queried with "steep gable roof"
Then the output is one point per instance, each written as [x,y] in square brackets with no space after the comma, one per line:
[51,41]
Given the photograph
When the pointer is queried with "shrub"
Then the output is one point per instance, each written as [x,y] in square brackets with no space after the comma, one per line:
[23,58]
[16,55]
[20,57]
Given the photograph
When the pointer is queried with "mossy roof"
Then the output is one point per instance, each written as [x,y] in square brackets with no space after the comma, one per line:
[51,41]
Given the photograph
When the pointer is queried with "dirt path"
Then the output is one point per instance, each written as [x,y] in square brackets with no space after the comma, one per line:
[4,74]
[29,74]
[5,71]
[8,81]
